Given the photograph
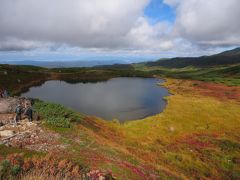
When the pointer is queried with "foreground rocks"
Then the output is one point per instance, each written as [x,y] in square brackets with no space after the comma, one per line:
[30,135]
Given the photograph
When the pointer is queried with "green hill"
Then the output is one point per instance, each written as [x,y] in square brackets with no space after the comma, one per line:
[224,58]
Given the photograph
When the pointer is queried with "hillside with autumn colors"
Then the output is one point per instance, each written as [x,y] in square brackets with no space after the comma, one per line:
[195,137]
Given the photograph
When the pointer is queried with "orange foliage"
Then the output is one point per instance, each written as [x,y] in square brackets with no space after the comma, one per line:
[50,166]
[219,91]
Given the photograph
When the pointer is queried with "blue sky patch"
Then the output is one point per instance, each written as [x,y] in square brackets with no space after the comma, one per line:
[159,11]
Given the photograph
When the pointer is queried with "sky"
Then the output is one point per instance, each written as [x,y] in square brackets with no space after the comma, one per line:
[127,30]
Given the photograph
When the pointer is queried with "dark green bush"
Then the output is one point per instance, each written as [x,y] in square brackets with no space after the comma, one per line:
[16,170]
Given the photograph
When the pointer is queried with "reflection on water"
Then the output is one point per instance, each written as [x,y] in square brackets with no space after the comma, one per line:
[118,98]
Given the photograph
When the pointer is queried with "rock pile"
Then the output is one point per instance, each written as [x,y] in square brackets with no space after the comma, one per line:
[30,135]
[24,134]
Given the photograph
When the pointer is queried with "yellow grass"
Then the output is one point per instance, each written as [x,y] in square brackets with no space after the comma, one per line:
[196,135]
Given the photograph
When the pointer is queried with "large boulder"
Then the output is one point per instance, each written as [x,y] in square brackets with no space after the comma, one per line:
[8,105]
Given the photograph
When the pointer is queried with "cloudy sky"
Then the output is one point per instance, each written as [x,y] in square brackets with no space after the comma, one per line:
[132,30]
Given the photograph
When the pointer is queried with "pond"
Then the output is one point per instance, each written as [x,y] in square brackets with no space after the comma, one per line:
[118,98]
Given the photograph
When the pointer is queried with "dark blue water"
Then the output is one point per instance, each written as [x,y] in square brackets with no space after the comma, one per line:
[118,98]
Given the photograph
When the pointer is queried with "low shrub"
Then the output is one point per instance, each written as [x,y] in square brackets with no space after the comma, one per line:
[58,122]
[56,115]
[16,170]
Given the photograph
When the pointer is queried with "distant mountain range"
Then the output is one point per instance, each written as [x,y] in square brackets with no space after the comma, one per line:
[224,58]
[61,64]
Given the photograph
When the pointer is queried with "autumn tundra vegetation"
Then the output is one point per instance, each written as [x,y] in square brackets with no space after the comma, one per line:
[195,137]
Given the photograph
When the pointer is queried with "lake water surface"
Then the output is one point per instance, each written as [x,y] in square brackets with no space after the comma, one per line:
[118,98]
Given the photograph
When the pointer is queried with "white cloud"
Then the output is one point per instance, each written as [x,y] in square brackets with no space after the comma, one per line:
[13,44]
[209,22]
[146,36]
[85,23]
[118,26]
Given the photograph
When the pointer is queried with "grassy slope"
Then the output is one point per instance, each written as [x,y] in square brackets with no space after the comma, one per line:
[219,68]
[225,58]
[91,141]
[229,75]
[17,78]
[196,136]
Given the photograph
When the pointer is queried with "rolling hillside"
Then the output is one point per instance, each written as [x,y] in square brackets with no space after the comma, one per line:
[224,58]
[220,68]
